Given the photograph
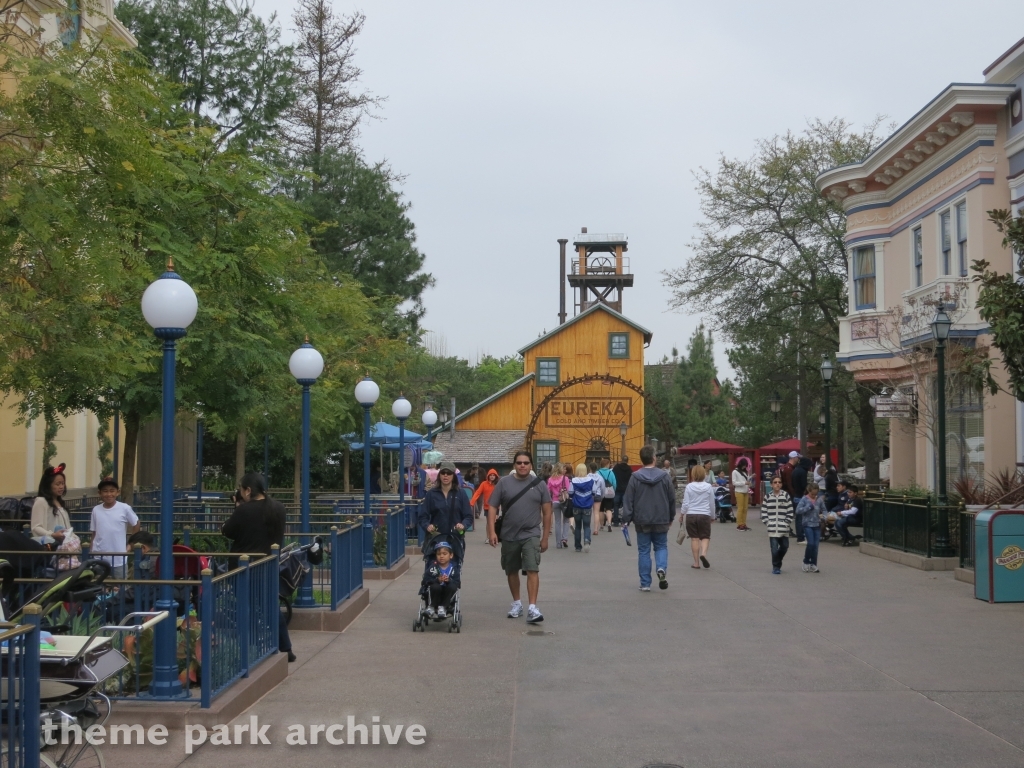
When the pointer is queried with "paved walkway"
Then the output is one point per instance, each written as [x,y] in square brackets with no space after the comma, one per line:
[868,663]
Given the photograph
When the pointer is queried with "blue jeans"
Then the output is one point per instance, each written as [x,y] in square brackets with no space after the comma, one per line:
[813,534]
[644,541]
[843,526]
[780,546]
[581,517]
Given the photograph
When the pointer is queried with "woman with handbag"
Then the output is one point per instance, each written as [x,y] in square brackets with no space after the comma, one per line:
[559,486]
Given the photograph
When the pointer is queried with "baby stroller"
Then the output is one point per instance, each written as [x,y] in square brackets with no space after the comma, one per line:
[295,563]
[723,504]
[81,585]
[453,609]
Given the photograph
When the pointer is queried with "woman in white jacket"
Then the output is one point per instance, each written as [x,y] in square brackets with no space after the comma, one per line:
[741,487]
[698,511]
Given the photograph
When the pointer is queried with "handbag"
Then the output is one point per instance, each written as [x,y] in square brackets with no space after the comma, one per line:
[681,536]
[517,497]
[563,495]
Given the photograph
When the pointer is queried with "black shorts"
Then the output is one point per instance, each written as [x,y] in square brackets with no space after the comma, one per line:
[607,505]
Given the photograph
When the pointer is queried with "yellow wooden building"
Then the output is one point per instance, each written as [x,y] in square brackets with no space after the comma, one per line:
[581,396]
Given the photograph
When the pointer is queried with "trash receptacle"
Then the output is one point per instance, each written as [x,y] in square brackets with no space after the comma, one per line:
[999,556]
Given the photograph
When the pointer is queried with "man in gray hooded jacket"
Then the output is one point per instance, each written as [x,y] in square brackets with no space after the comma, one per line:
[650,503]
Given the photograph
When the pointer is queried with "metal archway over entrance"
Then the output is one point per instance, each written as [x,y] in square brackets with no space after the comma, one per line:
[584,416]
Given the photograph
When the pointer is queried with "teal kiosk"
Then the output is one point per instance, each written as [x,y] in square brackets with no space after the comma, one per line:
[999,555]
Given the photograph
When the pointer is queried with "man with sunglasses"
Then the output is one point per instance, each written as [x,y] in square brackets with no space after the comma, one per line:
[526,524]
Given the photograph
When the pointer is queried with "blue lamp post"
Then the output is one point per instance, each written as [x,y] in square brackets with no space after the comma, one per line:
[402,409]
[367,393]
[306,365]
[169,306]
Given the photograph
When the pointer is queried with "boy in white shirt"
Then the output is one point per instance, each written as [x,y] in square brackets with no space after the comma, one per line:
[111,523]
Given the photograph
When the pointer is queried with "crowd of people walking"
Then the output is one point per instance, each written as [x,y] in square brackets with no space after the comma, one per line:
[573,504]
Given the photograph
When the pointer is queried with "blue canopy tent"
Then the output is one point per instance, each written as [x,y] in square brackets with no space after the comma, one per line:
[384,437]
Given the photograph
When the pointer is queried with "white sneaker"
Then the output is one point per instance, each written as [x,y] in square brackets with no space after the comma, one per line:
[586,547]
[814,569]
[516,610]
[441,613]
[645,589]
[533,615]
[805,568]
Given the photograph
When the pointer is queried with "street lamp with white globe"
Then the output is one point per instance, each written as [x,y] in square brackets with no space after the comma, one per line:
[306,365]
[429,419]
[367,393]
[402,409]
[169,306]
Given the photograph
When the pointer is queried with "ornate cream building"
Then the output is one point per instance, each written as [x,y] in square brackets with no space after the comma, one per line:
[916,220]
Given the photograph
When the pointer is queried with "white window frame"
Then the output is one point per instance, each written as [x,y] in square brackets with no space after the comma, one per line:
[879,299]
[962,260]
[945,266]
[916,256]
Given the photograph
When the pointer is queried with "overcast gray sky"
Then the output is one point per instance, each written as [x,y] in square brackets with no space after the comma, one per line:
[517,124]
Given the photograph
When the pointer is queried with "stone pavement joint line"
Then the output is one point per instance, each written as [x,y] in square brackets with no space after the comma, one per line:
[868,663]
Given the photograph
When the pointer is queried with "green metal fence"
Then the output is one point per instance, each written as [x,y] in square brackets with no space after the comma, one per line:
[909,524]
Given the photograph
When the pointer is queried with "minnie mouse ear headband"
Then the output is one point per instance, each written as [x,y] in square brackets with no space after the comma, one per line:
[58,470]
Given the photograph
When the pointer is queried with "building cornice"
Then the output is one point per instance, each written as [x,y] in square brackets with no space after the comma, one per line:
[959,107]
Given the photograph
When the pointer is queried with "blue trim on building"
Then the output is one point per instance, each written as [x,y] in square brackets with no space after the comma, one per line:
[917,219]
[929,177]
[953,334]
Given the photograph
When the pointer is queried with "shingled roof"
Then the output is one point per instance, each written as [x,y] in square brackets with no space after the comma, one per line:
[481,446]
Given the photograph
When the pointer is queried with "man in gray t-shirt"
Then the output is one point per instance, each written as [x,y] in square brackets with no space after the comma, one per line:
[525,528]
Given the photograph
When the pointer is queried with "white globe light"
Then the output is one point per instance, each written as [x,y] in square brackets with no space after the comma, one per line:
[429,417]
[169,303]
[402,408]
[367,391]
[306,364]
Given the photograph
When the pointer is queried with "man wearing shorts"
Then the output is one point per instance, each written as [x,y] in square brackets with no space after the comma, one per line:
[526,508]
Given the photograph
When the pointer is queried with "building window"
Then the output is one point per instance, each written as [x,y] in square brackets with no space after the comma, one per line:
[544,450]
[618,345]
[918,259]
[864,277]
[961,238]
[547,372]
[946,240]
[965,433]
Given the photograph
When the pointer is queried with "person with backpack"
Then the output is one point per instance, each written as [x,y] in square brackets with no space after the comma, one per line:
[622,472]
[559,485]
[610,492]
[582,507]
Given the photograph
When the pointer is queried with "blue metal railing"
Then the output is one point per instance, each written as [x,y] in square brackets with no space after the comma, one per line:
[19,674]
[346,563]
[240,623]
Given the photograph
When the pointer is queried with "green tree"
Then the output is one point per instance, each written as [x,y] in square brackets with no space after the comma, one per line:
[769,266]
[231,67]
[107,181]
[1001,300]
[359,225]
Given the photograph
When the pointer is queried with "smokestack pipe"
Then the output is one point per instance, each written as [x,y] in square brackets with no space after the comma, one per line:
[561,283]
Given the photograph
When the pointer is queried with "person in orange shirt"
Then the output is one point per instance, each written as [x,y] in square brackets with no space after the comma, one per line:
[483,492]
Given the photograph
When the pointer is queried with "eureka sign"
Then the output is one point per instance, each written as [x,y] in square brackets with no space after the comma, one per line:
[563,412]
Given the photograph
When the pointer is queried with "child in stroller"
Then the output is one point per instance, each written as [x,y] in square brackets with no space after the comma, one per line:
[723,504]
[439,587]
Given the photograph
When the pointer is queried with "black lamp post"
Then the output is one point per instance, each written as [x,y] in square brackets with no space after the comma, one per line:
[827,370]
[622,433]
[776,403]
[940,330]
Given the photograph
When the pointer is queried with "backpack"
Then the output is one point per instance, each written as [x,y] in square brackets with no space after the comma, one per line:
[609,479]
